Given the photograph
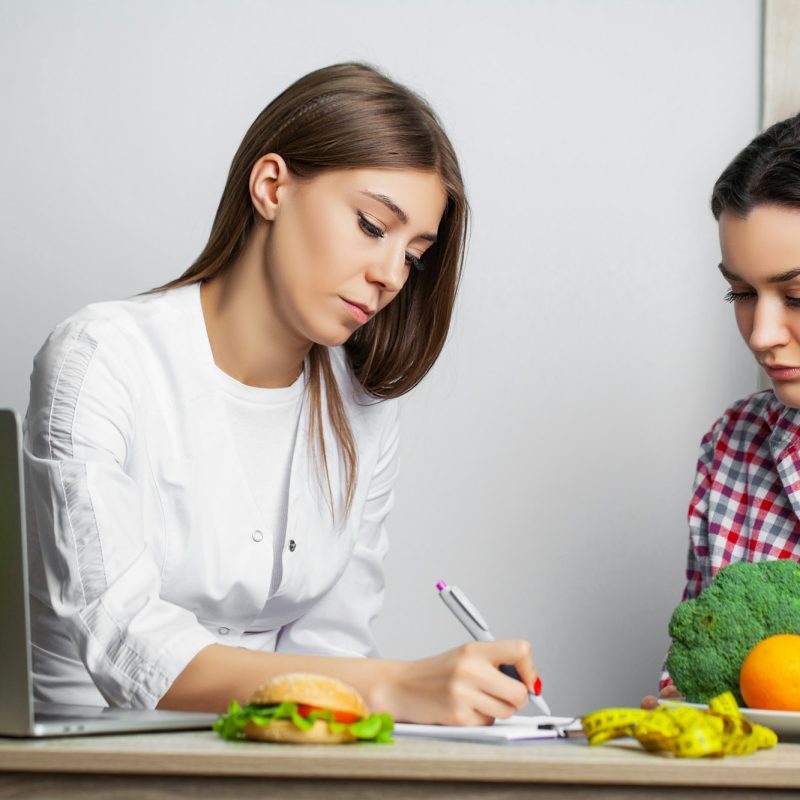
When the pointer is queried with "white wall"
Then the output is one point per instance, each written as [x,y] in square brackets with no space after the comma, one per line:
[548,458]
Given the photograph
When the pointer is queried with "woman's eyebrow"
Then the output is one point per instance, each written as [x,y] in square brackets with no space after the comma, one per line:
[727,274]
[397,211]
[782,278]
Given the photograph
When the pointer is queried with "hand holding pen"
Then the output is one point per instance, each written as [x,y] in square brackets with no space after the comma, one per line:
[461,686]
[471,619]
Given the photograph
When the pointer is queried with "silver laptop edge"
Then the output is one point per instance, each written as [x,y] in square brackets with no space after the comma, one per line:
[18,714]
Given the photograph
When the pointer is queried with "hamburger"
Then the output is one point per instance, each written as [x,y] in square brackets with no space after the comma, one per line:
[304,709]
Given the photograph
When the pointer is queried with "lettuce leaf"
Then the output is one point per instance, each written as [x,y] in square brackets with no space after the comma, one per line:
[374,728]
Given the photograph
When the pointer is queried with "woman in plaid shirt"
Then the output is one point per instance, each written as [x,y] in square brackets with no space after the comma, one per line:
[746,500]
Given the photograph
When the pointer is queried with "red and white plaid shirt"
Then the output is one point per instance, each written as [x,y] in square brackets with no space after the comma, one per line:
[746,500]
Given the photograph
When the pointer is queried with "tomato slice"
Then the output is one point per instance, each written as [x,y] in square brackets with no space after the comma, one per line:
[339,716]
[346,717]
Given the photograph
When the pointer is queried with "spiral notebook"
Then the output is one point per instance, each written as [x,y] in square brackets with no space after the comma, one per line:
[514,729]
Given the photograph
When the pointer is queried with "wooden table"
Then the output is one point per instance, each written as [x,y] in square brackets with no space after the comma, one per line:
[201,766]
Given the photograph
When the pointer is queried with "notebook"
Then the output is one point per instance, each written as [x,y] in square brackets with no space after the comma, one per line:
[503,731]
[19,716]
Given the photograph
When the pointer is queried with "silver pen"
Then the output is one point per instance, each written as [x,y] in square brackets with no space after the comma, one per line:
[476,626]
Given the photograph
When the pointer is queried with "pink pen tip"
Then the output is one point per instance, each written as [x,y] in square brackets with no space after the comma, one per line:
[441,585]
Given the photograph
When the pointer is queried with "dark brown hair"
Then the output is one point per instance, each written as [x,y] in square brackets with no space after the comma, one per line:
[766,172]
[342,117]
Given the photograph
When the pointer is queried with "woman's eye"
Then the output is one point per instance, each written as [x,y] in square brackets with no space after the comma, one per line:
[416,263]
[369,227]
[739,297]
[736,297]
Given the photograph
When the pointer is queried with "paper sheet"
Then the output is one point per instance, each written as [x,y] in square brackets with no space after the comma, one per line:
[514,729]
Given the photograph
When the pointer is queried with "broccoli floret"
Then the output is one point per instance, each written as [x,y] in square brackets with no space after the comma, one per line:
[712,635]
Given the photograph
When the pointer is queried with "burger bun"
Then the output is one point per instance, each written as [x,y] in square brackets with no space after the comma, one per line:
[306,689]
[284,730]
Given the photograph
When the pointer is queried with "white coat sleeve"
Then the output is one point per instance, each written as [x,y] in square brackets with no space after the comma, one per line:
[339,624]
[102,576]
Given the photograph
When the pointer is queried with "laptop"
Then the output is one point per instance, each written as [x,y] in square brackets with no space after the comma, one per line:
[19,715]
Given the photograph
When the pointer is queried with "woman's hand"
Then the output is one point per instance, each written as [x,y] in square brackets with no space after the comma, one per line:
[462,686]
[668,692]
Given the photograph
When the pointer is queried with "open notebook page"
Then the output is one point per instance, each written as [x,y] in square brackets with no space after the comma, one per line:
[514,729]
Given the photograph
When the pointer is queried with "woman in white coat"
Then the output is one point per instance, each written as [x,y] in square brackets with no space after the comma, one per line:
[210,464]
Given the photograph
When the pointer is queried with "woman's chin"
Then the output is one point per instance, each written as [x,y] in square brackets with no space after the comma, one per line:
[333,337]
[787,393]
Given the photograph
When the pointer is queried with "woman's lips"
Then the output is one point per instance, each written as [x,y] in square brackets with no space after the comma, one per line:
[782,373]
[358,312]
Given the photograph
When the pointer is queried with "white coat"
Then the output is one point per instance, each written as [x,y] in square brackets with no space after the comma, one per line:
[145,543]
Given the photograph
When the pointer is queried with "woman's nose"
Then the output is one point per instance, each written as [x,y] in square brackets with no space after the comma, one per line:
[390,271]
[769,325]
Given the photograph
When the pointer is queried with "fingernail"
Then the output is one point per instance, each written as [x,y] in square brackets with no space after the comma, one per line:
[537,686]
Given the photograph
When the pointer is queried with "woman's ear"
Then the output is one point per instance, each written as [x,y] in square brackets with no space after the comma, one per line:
[267,179]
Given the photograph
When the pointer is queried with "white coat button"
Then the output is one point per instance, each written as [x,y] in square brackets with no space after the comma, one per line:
[292,545]
[257,536]
[223,631]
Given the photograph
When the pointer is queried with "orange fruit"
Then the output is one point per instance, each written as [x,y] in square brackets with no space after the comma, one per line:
[770,675]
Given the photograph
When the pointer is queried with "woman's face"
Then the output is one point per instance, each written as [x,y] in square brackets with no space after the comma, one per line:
[761,262]
[342,244]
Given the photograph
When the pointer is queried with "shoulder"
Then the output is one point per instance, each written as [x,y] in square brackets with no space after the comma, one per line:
[93,356]
[112,328]
[123,318]
[746,423]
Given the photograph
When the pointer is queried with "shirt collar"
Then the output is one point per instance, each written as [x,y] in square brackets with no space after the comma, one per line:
[785,424]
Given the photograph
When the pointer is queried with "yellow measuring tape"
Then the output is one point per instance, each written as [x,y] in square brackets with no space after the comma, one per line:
[686,732]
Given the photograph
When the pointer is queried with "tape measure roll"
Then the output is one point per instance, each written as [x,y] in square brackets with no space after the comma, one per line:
[681,730]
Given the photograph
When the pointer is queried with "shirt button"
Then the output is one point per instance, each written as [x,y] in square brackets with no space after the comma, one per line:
[223,631]
[292,545]
[257,536]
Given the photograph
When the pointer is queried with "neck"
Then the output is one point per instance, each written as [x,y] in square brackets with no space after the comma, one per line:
[249,338]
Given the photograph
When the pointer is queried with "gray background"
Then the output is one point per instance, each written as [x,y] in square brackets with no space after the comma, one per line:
[547,460]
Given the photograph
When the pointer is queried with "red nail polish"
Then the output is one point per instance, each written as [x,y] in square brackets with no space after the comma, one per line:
[537,686]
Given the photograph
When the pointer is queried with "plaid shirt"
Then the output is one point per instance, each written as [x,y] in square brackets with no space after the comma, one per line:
[746,500]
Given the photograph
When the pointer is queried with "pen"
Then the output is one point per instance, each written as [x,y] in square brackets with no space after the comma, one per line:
[470,618]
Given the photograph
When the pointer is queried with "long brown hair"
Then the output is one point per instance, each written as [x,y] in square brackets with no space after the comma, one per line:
[352,116]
